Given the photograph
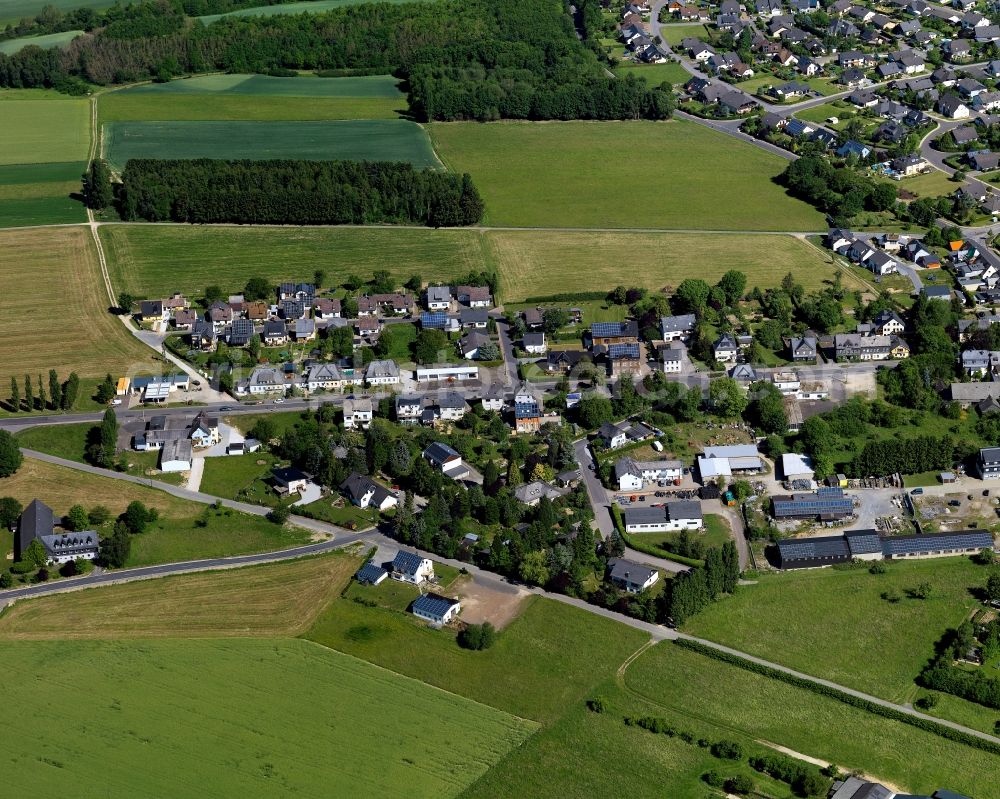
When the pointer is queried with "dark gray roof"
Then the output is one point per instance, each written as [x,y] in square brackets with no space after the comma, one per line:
[863,542]
[627,570]
[439,452]
[433,604]
[645,515]
[930,542]
[370,573]
[824,547]
[78,543]
[36,520]
[406,562]
[357,485]
[684,509]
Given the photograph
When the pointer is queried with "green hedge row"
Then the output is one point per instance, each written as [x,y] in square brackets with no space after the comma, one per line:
[841,696]
[579,296]
[649,549]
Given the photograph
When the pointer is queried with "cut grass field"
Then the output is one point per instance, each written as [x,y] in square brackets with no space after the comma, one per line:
[53,275]
[153,261]
[572,174]
[241,719]
[49,40]
[39,131]
[546,660]
[275,599]
[840,620]
[352,140]
[696,689]
[235,97]
[175,536]
[310,6]
[534,264]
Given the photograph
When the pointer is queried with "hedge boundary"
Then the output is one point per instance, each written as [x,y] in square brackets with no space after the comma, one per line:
[848,699]
[648,549]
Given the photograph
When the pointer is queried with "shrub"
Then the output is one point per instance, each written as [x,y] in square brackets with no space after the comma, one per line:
[23,567]
[68,569]
[714,778]
[927,702]
[477,636]
[279,515]
[809,783]
[728,750]
[740,784]
[42,576]
[878,567]
[99,515]
[596,705]
[891,596]
[6,581]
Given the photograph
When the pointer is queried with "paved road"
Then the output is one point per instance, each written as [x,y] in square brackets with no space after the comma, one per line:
[167,569]
[732,128]
[598,496]
[184,493]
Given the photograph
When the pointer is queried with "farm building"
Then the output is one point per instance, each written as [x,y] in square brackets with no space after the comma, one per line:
[371,574]
[936,545]
[828,550]
[435,608]
[824,504]
[176,455]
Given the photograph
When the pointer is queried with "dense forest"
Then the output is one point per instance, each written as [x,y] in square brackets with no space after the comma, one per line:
[295,193]
[480,60]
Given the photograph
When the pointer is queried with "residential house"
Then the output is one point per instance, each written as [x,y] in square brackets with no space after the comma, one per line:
[446,460]
[677,328]
[289,480]
[358,412]
[365,493]
[681,514]
[438,298]
[153,311]
[673,359]
[531,494]
[203,336]
[979,363]
[37,522]
[613,435]
[382,373]
[470,343]
[327,308]
[631,577]
[411,567]
[371,574]
[185,318]
[989,462]
[607,333]
[527,416]
[534,343]
[633,475]
[265,380]
[323,377]
[725,349]
[451,406]
[275,334]
[802,348]
[473,318]
[624,359]
[475,296]
[408,408]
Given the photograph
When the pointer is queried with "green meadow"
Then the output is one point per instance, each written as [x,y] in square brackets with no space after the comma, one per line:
[238,718]
[352,140]
[310,6]
[662,175]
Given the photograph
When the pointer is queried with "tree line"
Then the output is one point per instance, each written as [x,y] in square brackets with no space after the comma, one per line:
[61,394]
[478,60]
[841,192]
[295,192]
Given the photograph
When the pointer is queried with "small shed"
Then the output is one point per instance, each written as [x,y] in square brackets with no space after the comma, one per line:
[947,477]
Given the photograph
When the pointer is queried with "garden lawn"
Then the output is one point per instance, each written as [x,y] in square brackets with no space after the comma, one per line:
[933,183]
[173,537]
[154,261]
[545,661]
[275,599]
[240,718]
[45,130]
[840,620]
[538,264]
[655,74]
[694,688]
[227,476]
[236,97]
[570,174]
[673,33]
[51,277]
[351,140]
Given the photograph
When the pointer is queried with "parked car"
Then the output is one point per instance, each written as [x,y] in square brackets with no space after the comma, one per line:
[955,503]
[916,491]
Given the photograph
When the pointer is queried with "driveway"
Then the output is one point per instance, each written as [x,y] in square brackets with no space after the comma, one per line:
[311,492]
[196,473]
[596,492]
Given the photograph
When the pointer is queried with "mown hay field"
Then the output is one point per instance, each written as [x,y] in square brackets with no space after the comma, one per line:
[54,310]
[674,175]
[237,718]
[350,140]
